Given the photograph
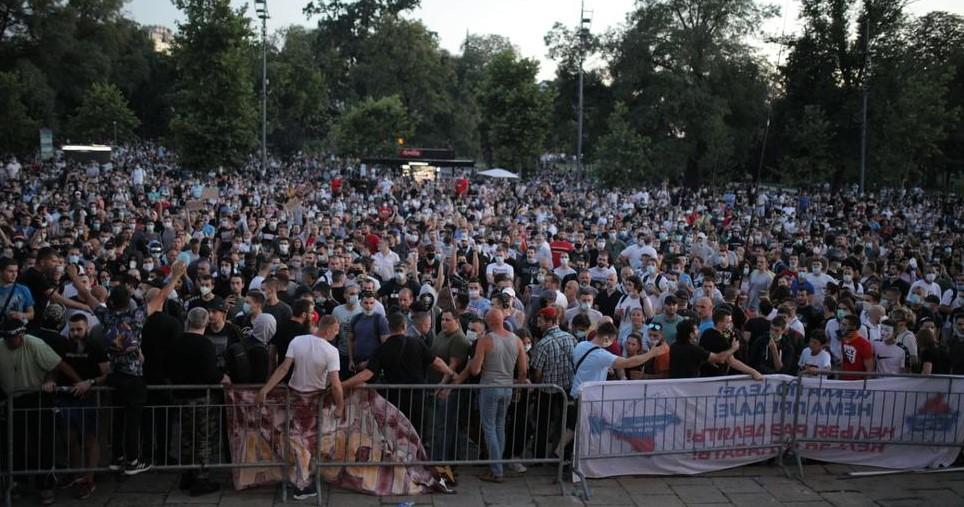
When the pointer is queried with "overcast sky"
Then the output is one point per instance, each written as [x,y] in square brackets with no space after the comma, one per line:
[525,22]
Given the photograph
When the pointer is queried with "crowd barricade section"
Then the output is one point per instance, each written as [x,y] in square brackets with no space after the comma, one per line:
[691,426]
[390,439]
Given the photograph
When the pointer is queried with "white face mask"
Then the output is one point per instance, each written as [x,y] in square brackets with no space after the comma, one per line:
[471,336]
[930,277]
[205,290]
[148,267]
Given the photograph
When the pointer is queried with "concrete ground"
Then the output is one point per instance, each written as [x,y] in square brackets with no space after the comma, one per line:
[753,486]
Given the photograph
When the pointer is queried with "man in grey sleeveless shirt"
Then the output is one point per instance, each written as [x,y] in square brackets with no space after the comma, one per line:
[500,358]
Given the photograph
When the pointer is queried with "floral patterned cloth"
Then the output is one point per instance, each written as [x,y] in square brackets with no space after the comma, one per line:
[373,431]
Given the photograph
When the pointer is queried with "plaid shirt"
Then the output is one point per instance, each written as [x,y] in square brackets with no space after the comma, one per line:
[552,355]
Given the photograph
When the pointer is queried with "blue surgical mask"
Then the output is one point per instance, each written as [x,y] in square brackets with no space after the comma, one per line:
[246,308]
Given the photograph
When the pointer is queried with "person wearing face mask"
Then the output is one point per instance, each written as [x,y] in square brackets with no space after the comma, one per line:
[205,289]
[928,284]
[586,297]
[367,331]
[818,279]
[834,330]
[848,282]
[478,304]
[498,266]
[564,269]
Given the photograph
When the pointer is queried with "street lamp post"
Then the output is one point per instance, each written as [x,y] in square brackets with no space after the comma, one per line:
[583,36]
[115,132]
[261,6]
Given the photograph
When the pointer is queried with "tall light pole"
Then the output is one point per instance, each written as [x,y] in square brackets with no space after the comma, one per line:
[583,38]
[863,106]
[261,7]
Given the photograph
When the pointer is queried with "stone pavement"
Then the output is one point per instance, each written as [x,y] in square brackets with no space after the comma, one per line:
[754,486]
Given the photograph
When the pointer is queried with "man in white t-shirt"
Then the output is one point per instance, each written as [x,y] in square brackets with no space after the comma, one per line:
[316,364]
[815,356]
[891,357]
[498,267]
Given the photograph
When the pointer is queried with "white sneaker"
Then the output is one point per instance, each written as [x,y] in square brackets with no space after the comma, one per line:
[518,468]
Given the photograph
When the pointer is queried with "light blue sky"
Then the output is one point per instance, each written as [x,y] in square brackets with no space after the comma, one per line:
[525,22]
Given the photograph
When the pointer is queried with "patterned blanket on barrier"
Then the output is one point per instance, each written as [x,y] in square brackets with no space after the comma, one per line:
[374,431]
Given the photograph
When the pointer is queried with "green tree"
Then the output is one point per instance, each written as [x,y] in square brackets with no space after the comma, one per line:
[103,112]
[515,112]
[299,115]
[20,128]
[215,121]
[372,128]
[691,83]
[808,157]
[624,156]
[73,44]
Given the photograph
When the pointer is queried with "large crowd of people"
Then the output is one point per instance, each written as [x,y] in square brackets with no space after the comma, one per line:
[327,274]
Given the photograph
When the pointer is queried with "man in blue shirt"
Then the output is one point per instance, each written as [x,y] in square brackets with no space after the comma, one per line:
[15,299]
[368,329]
[592,362]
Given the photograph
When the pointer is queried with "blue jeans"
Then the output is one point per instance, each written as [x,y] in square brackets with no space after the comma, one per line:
[446,425]
[493,404]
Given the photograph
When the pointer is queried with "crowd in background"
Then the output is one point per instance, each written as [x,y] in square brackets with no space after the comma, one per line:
[327,275]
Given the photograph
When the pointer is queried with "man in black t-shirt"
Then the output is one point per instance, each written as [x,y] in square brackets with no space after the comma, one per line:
[402,359]
[220,332]
[686,357]
[297,325]
[89,360]
[715,340]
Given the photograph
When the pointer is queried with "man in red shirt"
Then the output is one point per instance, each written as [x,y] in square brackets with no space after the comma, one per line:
[461,186]
[858,353]
[559,246]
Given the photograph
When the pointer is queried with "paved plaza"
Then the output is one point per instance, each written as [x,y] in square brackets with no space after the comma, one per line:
[754,486]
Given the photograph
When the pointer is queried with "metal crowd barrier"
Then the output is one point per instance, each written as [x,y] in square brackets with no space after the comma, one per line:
[181,428]
[41,429]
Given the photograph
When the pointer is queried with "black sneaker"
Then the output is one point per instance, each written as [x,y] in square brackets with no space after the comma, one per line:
[304,494]
[204,487]
[117,465]
[136,467]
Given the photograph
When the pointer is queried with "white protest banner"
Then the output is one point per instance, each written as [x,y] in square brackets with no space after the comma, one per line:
[876,423]
[678,426]
[692,426]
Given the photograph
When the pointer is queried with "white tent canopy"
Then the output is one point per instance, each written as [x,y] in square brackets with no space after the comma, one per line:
[498,173]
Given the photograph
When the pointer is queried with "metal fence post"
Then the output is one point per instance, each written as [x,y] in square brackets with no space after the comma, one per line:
[562,434]
[285,449]
[795,444]
[8,490]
